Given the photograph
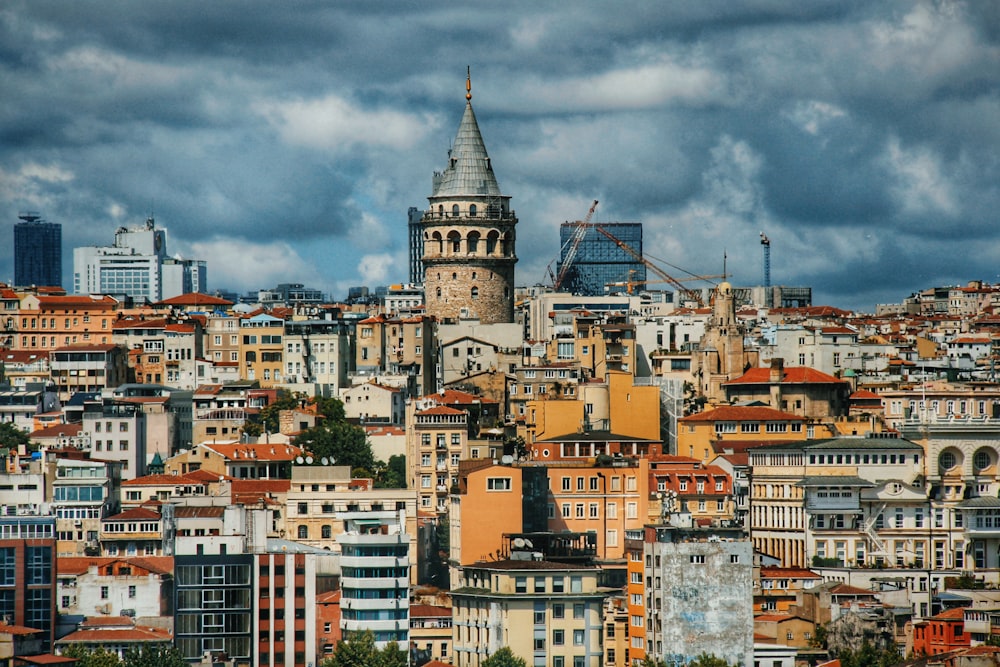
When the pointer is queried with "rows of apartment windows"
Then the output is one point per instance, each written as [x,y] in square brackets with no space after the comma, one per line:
[50,323]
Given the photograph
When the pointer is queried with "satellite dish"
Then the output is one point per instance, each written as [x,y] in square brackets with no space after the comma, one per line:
[325,461]
[506,459]
[299,460]
[519,542]
[528,543]
[309,460]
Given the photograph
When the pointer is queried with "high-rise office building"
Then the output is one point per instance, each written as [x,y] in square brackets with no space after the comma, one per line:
[600,265]
[137,266]
[37,252]
[416,235]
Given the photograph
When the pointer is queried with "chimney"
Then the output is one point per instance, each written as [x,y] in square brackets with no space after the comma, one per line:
[777,369]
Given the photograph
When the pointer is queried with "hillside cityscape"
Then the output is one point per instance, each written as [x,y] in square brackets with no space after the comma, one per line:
[620,463]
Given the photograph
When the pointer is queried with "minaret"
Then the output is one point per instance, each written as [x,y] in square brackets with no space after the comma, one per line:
[469,234]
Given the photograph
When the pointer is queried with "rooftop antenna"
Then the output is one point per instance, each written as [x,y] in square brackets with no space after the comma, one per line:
[468,83]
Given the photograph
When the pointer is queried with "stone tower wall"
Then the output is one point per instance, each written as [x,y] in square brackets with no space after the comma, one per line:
[447,296]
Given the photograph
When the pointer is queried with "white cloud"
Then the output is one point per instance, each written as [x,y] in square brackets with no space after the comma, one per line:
[28,186]
[374,269]
[812,115]
[920,184]
[368,233]
[244,265]
[334,123]
[653,85]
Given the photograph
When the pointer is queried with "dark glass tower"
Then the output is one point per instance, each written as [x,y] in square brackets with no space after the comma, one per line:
[37,252]
[599,262]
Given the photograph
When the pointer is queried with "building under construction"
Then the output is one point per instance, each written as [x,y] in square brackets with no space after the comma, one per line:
[598,261]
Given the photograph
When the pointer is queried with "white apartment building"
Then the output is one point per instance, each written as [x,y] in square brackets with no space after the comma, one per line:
[136,265]
[375,566]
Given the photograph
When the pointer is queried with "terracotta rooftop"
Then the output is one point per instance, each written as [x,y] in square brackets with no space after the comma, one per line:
[195,299]
[441,410]
[742,413]
[773,572]
[254,452]
[136,513]
[790,375]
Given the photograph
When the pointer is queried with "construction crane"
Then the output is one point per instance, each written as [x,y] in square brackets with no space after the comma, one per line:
[766,242]
[687,294]
[629,285]
[573,245]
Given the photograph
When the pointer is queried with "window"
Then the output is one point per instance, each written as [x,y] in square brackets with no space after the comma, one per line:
[498,484]
[578,637]
[558,610]
[303,532]
[697,558]
[558,637]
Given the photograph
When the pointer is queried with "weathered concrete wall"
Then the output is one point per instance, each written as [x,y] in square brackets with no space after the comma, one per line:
[705,601]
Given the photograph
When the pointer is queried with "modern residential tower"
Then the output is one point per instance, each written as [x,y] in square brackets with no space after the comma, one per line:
[37,252]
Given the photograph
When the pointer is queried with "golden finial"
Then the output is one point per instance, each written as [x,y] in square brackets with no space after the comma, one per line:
[468,83]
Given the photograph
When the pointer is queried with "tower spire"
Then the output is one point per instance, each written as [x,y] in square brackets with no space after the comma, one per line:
[468,83]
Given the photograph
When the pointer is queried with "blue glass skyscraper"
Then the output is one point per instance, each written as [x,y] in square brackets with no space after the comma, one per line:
[599,262]
[37,252]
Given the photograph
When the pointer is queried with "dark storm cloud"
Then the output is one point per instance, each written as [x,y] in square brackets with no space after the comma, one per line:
[285,142]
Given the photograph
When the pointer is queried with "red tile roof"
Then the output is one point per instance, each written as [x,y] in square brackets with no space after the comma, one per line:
[56,430]
[425,610]
[137,513]
[442,410]
[6,629]
[790,375]
[194,299]
[455,397]
[162,480]
[774,572]
[742,413]
[255,452]
[115,635]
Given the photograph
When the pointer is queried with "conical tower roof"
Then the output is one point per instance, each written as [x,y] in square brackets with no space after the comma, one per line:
[469,171]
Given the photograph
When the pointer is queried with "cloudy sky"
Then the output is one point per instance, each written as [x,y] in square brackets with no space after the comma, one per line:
[284,142]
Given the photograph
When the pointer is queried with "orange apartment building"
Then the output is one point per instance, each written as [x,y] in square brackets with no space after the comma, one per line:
[262,350]
[579,498]
[48,322]
[706,491]
[705,434]
[614,404]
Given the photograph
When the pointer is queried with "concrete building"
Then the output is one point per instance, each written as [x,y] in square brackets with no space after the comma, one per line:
[375,565]
[547,612]
[27,574]
[37,251]
[319,356]
[118,433]
[88,368]
[133,587]
[137,265]
[700,584]
[469,234]
[83,493]
[415,235]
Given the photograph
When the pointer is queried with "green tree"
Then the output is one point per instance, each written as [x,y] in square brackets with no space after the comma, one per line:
[346,444]
[268,421]
[392,656]
[11,436]
[154,655]
[360,651]
[504,657]
[708,660]
[869,655]
[92,657]
[331,408]
[393,475]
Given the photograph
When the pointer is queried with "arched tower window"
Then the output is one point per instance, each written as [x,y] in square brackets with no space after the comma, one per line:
[454,210]
[440,211]
[472,210]
[491,242]
[438,244]
[475,292]
[454,242]
[438,292]
[473,242]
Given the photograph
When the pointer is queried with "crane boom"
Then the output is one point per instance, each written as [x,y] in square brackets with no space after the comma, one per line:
[578,233]
[636,255]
